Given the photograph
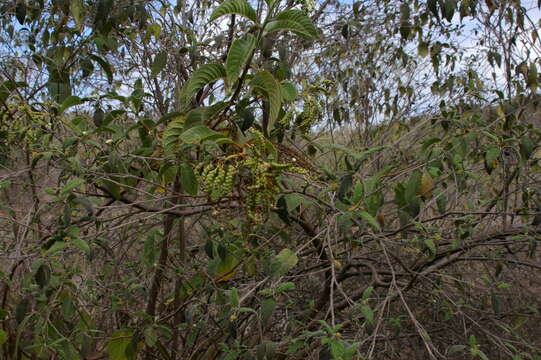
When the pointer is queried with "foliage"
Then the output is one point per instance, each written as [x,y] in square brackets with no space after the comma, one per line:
[269,179]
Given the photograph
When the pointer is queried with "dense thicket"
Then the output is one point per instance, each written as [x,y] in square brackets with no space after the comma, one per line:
[269,179]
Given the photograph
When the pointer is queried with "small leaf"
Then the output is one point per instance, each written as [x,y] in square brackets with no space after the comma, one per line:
[284,262]
[239,7]
[422,49]
[188,179]
[160,60]
[289,91]
[370,220]
[81,245]
[431,246]
[367,292]
[21,310]
[267,308]
[455,349]
[491,158]
[3,337]
[285,287]
[234,297]
[98,116]
[345,185]
[427,185]
[43,275]
[527,147]
[151,336]
[77,11]
[105,66]
[368,314]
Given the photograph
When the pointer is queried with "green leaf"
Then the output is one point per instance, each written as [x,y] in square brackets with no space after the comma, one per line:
[422,49]
[3,337]
[527,147]
[289,91]
[234,297]
[151,336]
[199,134]
[69,102]
[491,158]
[224,268]
[204,75]
[171,135]
[21,310]
[345,185]
[367,292]
[284,262]
[160,60]
[267,308]
[295,21]
[431,246]
[238,56]
[118,344]
[72,184]
[285,287]
[43,275]
[367,313]
[81,245]
[77,11]
[266,84]
[455,349]
[238,7]
[370,220]
[105,66]
[188,179]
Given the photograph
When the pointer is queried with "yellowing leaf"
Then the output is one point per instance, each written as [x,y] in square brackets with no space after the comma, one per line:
[226,268]
[427,185]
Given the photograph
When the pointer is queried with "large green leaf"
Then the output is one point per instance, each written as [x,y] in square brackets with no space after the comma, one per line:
[171,135]
[238,56]
[118,344]
[204,75]
[198,134]
[295,21]
[266,84]
[239,7]
[188,179]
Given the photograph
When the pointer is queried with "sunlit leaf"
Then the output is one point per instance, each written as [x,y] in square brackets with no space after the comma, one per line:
[238,7]
[295,21]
